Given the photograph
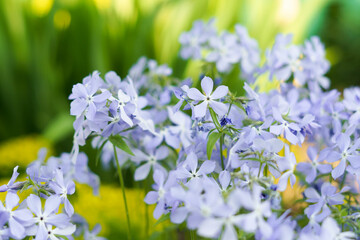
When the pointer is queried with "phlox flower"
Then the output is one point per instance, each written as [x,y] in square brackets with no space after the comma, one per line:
[284,127]
[328,197]
[18,219]
[209,97]
[310,169]
[289,164]
[254,220]
[161,196]
[188,170]
[84,96]
[11,184]
[62,189]
[152,159]
[46,217]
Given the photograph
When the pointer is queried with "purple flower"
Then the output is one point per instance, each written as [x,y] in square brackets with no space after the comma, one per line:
[310,169]
[328,197]
[224,51]
[283,60]
[209,97]
[18,219]
[121,102]
[84,96]
[345,152]
[188,170]
[11,184]
[93,234]
[48,216]
[158,70]
[151,161]
[161,195]
[248,50]
[315,65]
[289,164]
[254,220]
[225,121]
[194,41]
[55,233]
[180,94]
[181,128]
[62,189]
[352,103]
[331,230]
[286,128]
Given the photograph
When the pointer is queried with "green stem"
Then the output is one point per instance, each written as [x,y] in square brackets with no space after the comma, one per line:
[343,180]
[192,235]
[259,170]
[147,211]
[221,151]
[123,193]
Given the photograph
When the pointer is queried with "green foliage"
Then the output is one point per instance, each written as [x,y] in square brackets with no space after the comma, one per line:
[213,137]
[119,142]
[48,46]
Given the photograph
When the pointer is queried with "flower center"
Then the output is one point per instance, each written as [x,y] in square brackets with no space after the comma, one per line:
[152,160]
[161,193]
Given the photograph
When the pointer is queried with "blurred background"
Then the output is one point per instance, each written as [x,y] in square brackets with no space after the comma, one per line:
[46,46]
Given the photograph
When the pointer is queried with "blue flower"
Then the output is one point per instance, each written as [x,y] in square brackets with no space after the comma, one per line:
[209,97]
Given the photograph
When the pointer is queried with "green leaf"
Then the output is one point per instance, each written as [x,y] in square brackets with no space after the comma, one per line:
[61,236]
[215,119]
[119,142]
[213,137]
[163,218]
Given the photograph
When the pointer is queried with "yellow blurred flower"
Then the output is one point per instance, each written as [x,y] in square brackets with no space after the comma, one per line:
[41,7]
[293,194]
[62,19]
[20,151]
[108,210]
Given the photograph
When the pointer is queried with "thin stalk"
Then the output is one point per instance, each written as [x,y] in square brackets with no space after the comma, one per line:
[123,193]
[259,170]
[343,180]
[192,235]
[147,225]
[221,151]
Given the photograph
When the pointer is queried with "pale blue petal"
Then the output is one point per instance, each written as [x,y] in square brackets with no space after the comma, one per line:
[207,85]
[142,172]
[220,92]
[195,94]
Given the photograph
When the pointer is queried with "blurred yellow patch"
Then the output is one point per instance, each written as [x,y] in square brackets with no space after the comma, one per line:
[22,195]
[102,4]
[41,7]
[62,19]
[21,151]
[108,210]
[292,194]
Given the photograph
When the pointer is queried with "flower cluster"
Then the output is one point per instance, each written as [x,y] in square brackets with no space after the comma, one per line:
[219,161]
[225,50]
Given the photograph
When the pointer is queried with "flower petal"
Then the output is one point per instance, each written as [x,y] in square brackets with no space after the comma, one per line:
[220,92]
[34,203]
[142,172]
[207,167]
[219,107]
[195,94]
[207,85]
[51,205]
[210,227]
[200,110]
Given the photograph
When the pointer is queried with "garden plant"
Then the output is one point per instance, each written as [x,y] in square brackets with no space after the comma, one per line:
[214,155]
